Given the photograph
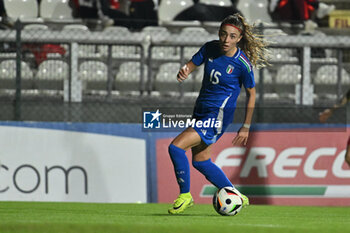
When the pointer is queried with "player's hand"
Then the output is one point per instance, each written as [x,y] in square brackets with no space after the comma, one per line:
[241,137]
[183,73]
[323,116]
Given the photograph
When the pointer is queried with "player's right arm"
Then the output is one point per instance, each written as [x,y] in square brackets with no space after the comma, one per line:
[183,73]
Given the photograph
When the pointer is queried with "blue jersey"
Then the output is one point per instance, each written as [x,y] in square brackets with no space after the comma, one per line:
[221,85]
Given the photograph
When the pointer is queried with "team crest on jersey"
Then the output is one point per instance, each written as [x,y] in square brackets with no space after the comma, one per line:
[229,69]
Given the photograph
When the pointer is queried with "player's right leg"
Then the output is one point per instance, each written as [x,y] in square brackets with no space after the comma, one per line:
[177,151]
[202,162]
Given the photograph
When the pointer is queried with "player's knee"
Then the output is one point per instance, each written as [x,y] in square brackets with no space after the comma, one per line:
[174,149]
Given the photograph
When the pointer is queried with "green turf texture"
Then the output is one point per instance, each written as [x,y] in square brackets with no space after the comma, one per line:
[146,218]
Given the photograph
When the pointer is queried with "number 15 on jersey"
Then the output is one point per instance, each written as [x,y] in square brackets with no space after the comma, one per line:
[214,76]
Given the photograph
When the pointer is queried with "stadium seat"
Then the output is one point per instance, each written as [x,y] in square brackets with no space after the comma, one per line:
[116,31]
[55,10]
[156,32]
[94,75]
[267,76]
[8,70]
[282,54]
[85,50]
[328,74]
[30,27]
[52,70]
[160,52]
[25,10]
[166,82]
[51,75]
[8,75]
[75,27]
[120,51]
[190,34]
[255,10]
[217,2]
[289,74]
[93,71]
[168,9]
[194,31]
[128,77]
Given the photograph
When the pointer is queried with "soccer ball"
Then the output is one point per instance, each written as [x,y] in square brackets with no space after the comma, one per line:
[227,201]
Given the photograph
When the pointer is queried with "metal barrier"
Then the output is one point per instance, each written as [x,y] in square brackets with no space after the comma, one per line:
[139,68]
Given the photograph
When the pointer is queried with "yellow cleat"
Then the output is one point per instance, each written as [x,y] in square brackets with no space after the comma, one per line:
[245,200]
[183,202]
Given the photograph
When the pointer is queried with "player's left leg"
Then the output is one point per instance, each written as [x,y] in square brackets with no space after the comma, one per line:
[202,162]
[177,150]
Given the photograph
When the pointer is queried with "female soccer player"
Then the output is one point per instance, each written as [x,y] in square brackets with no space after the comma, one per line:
[227,65]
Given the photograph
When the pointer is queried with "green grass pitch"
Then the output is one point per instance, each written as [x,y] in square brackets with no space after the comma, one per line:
[146,218]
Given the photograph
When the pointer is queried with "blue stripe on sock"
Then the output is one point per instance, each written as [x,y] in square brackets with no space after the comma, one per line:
[181,167]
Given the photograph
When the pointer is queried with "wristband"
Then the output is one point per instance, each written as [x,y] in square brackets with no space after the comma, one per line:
[246,126]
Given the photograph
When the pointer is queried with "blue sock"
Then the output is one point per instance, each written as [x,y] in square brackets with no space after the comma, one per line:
[213,173]
[181,167]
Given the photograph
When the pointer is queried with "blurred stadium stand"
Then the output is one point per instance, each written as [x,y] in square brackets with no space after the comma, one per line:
[55,68]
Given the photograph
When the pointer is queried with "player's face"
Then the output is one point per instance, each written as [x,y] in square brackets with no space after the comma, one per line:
[229,36]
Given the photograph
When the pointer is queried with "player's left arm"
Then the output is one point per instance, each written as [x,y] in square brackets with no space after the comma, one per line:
[243,133]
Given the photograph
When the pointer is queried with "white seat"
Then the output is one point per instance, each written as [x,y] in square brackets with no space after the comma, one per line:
[289,74]
[167,72]
[217,2]
[149,30]
[85,50]
[168,9]
[190,51]
[166,82]
[55,10]
[8,70]
[116,30]
[22,9]
[192,33]
[75,27]
[282,54]
[267,76]
[165,52]
[30,27]
[255,10]
[328,74]
[93,71]
[119,51]
[53,70]
[199,31]
[155,32]
[128,77]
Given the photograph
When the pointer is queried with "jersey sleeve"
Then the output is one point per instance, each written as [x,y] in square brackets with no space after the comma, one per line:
[200,56]
[248,76]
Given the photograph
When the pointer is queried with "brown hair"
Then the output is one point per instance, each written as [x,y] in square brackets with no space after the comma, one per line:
[253,45]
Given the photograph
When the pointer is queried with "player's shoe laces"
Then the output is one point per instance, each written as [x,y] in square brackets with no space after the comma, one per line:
[183,202]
